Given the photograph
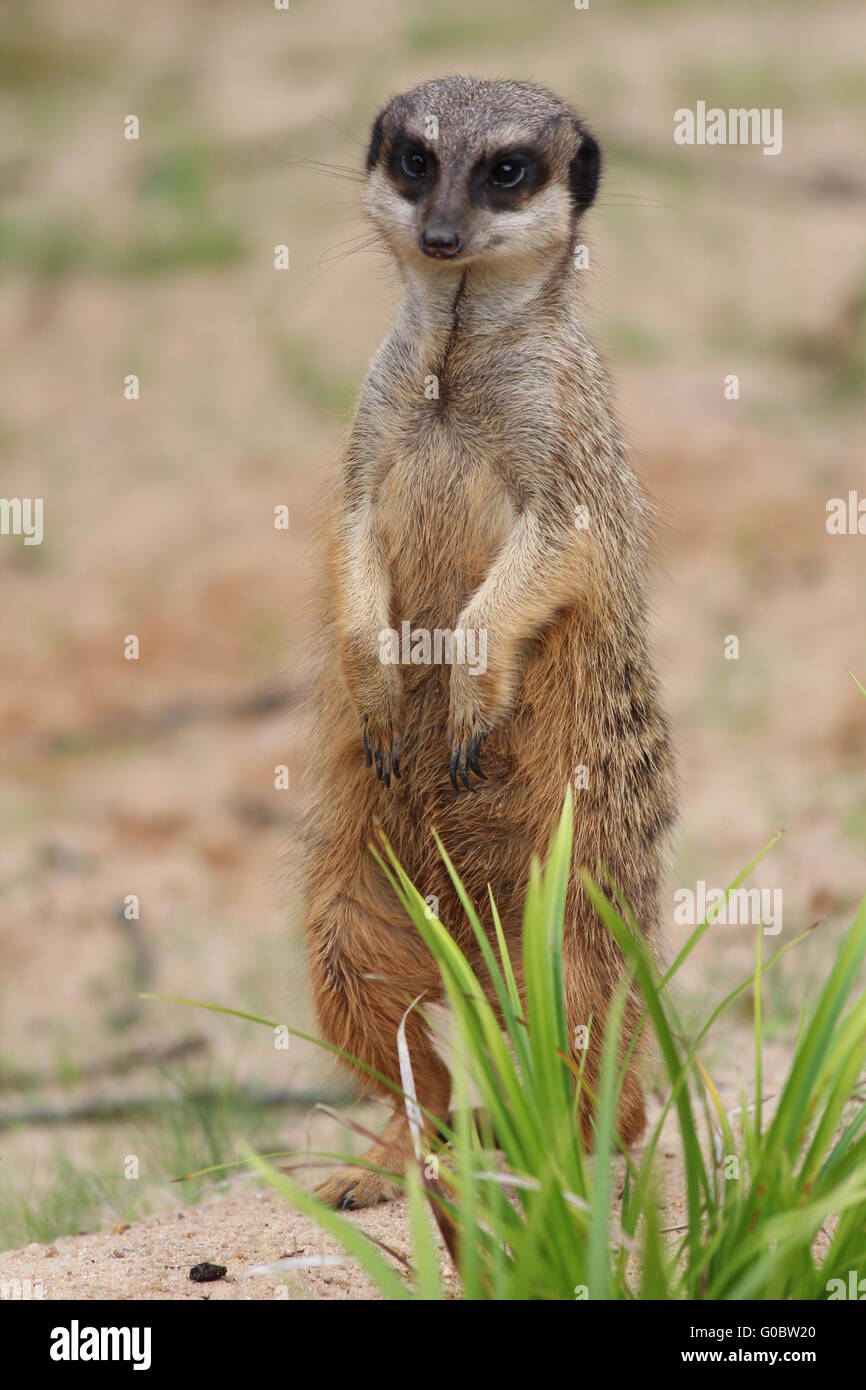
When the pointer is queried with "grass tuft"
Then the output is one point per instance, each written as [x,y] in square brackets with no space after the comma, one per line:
[535,1216]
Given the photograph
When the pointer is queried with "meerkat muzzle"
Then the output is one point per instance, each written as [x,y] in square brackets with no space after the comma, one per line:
[440,244]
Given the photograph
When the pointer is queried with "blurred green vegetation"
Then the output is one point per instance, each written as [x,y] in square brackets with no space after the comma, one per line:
[451,28]
[65,1196]
[53,249]
[316,383]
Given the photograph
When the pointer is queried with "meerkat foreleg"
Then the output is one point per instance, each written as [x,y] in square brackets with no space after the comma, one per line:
[373,684]
[535,573]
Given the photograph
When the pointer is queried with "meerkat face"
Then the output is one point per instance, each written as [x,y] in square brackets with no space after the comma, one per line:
[463,170]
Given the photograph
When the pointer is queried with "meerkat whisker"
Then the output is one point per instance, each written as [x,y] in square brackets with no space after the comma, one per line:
[317,166]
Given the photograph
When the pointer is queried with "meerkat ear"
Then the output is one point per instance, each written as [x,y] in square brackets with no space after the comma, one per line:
[375,148]
[584,170]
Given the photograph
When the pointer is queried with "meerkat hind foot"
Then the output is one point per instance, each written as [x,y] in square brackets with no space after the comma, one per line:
[349,1189]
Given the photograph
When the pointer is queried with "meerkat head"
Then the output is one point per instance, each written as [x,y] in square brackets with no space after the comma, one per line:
[462,171]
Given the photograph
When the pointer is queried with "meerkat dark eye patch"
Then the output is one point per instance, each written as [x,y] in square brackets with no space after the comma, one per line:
[375,147]
[412,167]
[584,171]
[507,179]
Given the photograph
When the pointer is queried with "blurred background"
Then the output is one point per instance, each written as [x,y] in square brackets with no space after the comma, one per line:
[155,257]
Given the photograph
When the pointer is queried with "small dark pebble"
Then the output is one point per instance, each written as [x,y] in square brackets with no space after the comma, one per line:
[206,1273]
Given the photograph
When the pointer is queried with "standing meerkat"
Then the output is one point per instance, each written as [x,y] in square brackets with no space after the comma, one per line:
[484,493]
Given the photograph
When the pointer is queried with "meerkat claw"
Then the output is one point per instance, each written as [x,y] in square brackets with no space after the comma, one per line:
[459,766]
[385,760]
[474,745]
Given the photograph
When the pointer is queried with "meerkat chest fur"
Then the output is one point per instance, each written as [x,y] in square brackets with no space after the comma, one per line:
[459,410]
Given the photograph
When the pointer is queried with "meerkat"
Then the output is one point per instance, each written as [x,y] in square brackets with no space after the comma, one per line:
[484,489]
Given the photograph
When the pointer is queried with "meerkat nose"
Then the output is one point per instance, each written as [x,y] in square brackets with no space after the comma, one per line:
[436,242]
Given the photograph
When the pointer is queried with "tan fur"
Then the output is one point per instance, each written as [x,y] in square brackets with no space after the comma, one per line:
[461,512]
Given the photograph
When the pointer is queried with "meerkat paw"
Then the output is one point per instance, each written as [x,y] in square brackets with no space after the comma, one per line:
[381,746]
[377,693]
[469,724]
[349,1189]
[464,759]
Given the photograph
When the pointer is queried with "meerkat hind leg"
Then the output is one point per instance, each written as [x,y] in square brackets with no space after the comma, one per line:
[351,1187]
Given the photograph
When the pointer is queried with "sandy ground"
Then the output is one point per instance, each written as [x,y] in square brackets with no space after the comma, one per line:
[243,1230]
[153,1258]
[156,778]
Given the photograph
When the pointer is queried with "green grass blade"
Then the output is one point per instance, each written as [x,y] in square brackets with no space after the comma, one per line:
[351,1237]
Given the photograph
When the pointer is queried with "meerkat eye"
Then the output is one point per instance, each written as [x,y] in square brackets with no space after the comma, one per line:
[507,179]
[414,164]
[413,168]
[508,173]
